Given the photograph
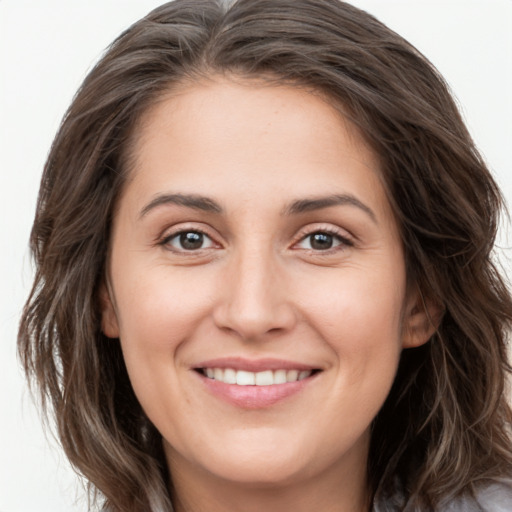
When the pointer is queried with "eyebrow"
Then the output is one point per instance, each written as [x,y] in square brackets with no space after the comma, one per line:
[193,201]
[318,203]
[206,204]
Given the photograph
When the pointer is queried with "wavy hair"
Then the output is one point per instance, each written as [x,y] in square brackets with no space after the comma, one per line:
[445,426]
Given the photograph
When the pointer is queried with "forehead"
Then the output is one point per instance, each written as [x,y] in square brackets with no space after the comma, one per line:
[235,103]
[250,134]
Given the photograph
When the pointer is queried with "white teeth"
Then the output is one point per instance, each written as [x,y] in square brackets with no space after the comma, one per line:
[229,376]
[218,374]
[279,376]
[245,378]
[264,378]
[292,375]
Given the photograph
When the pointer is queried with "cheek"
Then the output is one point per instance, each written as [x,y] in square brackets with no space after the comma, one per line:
[360,319]
[356,302]
[160,305]
[158,313]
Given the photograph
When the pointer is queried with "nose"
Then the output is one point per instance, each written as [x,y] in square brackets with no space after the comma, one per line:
[255,300]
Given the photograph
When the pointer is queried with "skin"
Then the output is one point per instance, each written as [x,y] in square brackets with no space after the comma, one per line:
[259,288]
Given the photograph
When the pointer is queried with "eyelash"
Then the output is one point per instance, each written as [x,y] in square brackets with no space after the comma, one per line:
[343,240]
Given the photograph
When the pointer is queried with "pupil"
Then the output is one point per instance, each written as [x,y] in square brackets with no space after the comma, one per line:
[191,240]
[321,241]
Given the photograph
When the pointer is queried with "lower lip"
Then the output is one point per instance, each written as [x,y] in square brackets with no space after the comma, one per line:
[255,397]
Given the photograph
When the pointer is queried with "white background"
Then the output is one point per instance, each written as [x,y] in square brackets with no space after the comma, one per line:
[46,48]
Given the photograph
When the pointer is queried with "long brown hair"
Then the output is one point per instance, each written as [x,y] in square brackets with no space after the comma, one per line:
[445,426]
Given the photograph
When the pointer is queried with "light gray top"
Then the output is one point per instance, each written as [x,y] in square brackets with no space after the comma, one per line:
[496,497]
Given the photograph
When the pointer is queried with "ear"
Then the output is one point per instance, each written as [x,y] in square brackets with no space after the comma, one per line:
[421,320]
[109,322]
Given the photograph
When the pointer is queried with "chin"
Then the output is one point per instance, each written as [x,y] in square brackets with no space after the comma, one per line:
[252,459]
[260,472]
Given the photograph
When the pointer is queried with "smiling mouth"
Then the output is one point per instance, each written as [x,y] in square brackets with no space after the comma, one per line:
[263,378]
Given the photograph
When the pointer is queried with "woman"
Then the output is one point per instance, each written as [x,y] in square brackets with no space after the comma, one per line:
[263,272]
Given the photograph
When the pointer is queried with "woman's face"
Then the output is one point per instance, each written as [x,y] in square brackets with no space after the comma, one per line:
[257,284]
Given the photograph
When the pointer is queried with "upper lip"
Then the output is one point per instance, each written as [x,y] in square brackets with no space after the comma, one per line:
[254,365]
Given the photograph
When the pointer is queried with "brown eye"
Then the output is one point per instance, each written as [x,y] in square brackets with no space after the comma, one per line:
[323,241]
[189,241]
